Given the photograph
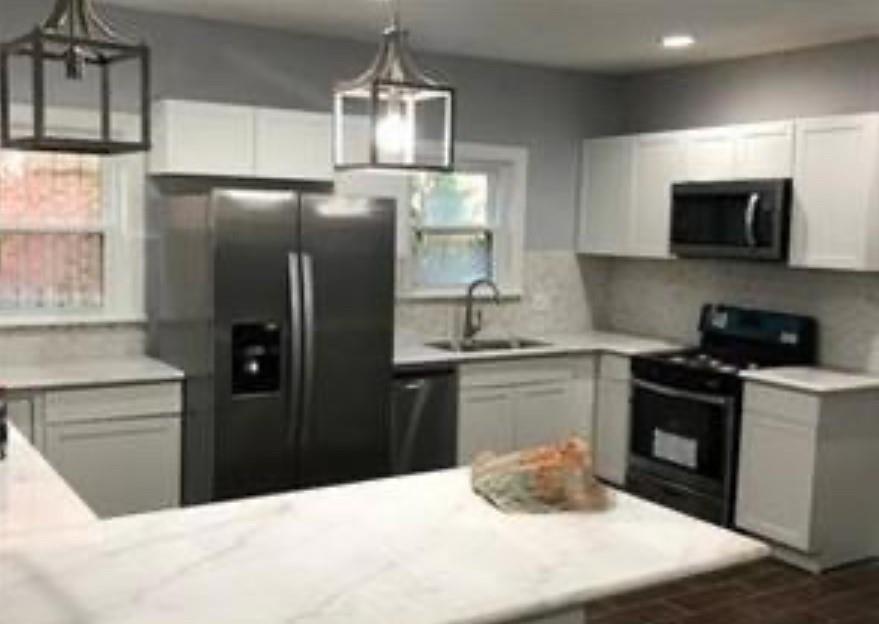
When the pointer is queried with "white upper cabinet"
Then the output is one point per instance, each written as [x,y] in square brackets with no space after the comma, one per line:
[765,151]
[754,151]
[835,223]
[293,144]
[711,154]
[658,164]
[606,196]
[200,138]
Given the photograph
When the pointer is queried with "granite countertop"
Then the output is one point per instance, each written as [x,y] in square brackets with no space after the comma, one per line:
[419,549]
[94,372]
[814,380]
[33,498]
[411,351]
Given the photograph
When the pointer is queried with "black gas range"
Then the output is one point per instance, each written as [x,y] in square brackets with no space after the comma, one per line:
[687,405]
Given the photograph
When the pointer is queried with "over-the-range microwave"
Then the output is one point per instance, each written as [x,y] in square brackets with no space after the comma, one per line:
[747,219]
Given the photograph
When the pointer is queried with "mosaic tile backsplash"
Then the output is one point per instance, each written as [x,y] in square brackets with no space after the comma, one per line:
[562,294]
[663,298]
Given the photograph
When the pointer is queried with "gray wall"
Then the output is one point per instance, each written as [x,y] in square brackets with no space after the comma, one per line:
[663,297]
[835,79]
[544,110]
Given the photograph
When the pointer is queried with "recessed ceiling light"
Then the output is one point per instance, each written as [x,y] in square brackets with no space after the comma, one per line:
[677,41]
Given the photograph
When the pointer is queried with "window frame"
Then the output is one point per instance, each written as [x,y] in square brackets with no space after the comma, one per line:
[507,168]
[123,191]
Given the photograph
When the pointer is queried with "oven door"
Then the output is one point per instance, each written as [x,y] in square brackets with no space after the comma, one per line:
[745,219]
[684,437]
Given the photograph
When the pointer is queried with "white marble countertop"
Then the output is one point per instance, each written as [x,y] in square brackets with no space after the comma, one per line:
[33,498]
[93,372]
[412,351]
[420,549]
[814,380]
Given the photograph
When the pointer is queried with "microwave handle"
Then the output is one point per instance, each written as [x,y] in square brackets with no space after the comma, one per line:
[751,219]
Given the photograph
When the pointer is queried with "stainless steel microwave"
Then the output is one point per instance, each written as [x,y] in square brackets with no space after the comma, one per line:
[748,219]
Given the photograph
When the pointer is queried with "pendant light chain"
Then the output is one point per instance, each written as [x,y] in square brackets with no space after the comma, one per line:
[394,13]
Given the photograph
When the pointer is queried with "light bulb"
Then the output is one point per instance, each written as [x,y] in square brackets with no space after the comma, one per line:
[392,134]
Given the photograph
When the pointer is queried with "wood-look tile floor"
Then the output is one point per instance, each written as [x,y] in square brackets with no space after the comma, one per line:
[768,592]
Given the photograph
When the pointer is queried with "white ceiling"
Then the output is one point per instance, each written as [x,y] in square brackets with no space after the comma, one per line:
[613,35]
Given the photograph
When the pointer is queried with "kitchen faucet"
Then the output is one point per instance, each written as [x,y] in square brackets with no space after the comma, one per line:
[473,319]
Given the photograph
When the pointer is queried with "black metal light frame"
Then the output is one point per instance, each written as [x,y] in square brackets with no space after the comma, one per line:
[394,67]
[77,37]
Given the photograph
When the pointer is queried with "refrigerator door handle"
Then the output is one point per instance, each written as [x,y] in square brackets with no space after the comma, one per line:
[294,262]
[308,350]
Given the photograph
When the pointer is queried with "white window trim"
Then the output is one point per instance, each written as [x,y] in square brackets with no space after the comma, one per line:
[510,165]
[124,251]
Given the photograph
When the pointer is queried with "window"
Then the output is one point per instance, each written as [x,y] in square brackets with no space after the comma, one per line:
[52,231]
[72,242]
[466,225]
[453,225]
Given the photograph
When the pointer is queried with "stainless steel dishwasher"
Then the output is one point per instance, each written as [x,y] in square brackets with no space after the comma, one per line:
[424,420]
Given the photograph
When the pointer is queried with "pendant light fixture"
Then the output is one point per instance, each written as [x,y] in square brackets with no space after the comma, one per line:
[394,116]
[74,49]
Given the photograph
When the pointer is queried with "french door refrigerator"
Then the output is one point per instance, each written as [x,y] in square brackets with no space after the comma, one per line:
[278,304]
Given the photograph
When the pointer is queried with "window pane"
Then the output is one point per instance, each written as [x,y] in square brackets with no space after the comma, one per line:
[51,271]
[452,259]
[50,190]
[459,199]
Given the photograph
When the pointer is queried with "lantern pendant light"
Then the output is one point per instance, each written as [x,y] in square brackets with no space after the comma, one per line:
[394,116]
[73,49]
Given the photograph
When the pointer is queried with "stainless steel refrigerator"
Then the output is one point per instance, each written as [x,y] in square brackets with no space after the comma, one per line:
[277,302]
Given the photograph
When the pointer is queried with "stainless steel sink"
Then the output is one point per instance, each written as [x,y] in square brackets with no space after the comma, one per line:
[498,344]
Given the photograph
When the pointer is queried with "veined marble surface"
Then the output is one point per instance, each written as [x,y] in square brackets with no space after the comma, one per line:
[411,350]
[814,380]
[416,550]
[92,372]
[33,498]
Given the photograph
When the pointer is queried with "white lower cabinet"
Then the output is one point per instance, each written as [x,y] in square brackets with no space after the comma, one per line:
[119,466]
[776,478]
[485,417]
[511,405]
[118,447]
[612,425]
[544,413]
[613,418]
[802,464]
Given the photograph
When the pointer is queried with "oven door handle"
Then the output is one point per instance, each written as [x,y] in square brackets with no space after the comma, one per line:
[686,395]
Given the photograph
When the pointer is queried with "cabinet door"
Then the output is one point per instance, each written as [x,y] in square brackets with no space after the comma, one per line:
[711,155]
[203,139]
[21,414]
[658,164]
[834,192]
[544,414]
[293,144]
[776,478]
[612,425]
[765,151]
[606,196]
[119,466]
[485,422]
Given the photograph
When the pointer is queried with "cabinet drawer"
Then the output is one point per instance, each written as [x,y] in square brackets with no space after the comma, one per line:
[113,402]
[800,407]
[615,367]
[516,373]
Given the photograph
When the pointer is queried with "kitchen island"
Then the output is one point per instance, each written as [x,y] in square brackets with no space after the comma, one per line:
[416,549]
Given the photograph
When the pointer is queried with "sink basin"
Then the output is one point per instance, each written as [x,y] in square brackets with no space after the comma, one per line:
[497,344]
